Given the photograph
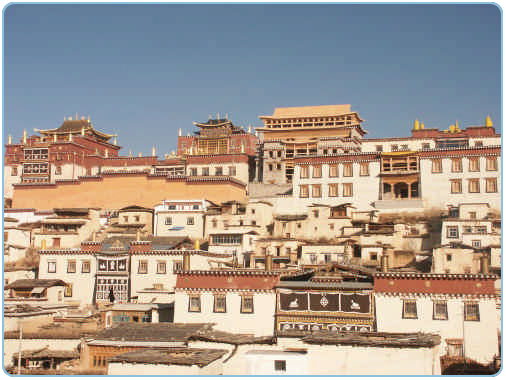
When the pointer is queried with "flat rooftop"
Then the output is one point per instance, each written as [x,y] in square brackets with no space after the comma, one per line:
[311,111]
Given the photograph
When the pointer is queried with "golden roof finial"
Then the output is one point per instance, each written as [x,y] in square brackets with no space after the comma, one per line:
[422,125]
[180,133]
[488,122]
[218,116]
[130,153]
[417,125]
[452,128]
[457,129]
[153,152]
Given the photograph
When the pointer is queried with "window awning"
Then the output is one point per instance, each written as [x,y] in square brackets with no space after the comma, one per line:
[38,290]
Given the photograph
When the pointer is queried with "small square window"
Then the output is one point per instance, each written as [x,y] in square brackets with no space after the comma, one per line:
[71,266]
[440,310]
[280,365]
[68,290]
[247,304]
[194,304]
[51,267]
[168,221]
[472,312]
[190,221]
[143,267]
[409,310]
[86,267]
[220,303]
[161,267]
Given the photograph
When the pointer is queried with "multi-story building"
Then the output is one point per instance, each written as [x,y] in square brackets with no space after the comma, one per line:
[461,308]
[184,217]
[304,131]
[219,148]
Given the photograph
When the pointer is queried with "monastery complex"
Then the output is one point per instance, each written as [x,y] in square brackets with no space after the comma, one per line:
[299,247]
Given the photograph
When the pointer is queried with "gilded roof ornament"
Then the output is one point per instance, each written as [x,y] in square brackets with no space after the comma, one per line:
[488,122]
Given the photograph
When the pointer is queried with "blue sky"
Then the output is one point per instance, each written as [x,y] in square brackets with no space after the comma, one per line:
[144,71]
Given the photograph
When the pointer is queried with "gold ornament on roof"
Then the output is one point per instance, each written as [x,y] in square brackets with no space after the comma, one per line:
[488,122]
[422,126]
[417,125]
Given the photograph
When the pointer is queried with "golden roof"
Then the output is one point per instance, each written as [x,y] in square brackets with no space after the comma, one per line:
[311,111]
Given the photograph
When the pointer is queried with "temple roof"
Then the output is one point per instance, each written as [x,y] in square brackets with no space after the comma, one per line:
[75,127]
[311,111]
[214,123]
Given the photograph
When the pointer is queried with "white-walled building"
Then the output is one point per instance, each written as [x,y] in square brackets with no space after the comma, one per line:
[236,301]
[461,308]
[181,218]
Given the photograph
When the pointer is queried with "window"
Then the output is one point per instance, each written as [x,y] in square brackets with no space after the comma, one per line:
[278,166]
[270,167]
[374,256]
[481,229]
[455,348]
[168,220]
[219,170]
[404,147]
[51,267]
[304,191]
[56,242]
[452,232]
[379,148]
[231,171]
[456,186]
[316,213]
[280,365]
[347,189]
[474,164]
[304,172]
[348,170]
[471,312]
[190,220]
[193,171]
[6,236]
[476,243]
[58,170]
[317,171]
[448,257]
[437,166]
[474,185]
[194,304]
[491,185]
[333,171]
[491,163]
[177,266]
[247,304]
[172,207]
[137,218]
[161,267]
[85,268]
[454,212]
[317,191]
[125,219]
[205,172]
[68,290]
[409,309]
[456,165]
[440,310]
[195,207]
[333,190]
[71,266]
[143,267]
[395,148]
[14,171]
[220,303]
[364,168]
[472,215]
[426,146]
[215,223]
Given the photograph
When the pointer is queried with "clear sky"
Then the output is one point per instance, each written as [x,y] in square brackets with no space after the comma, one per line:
[144,71]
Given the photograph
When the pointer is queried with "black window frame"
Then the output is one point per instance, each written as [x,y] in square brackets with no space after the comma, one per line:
[404,314]
[435,314]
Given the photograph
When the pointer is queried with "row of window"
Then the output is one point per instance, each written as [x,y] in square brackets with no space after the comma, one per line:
[190,221]
[334,170]
[474,185]
[220,304]
[36,168]
[333,190]
[71,266]
[440,310]
[36,154]
[161,266]
[457,167]
[217,171]
[226,239]
[452,232]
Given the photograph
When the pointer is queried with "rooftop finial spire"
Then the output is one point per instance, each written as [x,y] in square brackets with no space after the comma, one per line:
[417,125]
[218,116]
[488,122]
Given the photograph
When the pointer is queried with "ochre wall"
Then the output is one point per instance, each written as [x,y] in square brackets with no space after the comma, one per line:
[308,132]
[114,192]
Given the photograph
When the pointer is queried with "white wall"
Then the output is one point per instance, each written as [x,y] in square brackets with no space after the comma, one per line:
[260,322]
[480,337]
